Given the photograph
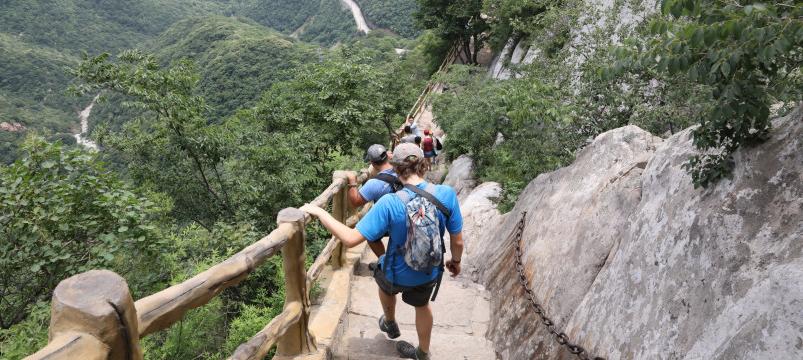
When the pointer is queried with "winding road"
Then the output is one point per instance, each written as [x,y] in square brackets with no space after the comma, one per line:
[81,136]
[362,25]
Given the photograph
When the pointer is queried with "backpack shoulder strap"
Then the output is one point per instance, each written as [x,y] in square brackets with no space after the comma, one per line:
[403,196]
[429,196]
[394,182]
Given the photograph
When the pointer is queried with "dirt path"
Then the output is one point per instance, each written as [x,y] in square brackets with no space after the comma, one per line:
[362,25]
[81,136]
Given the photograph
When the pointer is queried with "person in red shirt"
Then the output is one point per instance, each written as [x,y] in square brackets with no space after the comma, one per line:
[428,146]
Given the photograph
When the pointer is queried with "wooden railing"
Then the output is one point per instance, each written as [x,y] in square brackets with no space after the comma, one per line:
[424,98]
[95,317]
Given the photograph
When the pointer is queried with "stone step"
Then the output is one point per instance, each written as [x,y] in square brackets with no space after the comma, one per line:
[461,313]
[364,337]
[359,356]
[459,304]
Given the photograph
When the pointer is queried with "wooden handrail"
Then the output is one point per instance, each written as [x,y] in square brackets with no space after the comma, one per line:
[421,102]
[448,60]
[94,317]
[258,346]
[162,309]
[317,266]
[73,345]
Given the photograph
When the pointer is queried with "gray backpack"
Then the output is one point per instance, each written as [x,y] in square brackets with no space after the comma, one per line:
[424,248]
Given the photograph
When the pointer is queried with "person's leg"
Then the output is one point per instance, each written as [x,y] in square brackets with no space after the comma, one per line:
[423,325]
[419,298]
[388,305]
[387,297]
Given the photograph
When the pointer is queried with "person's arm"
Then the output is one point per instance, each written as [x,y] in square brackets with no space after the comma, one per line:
[456,246]
[377,247]
[355,199]
[348,236]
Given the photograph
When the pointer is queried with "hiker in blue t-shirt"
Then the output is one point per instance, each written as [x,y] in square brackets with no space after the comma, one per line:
[393,273]
[385,182]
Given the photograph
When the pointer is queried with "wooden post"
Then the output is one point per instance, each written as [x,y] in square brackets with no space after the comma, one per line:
[340,211]
[297,340]
[92,317]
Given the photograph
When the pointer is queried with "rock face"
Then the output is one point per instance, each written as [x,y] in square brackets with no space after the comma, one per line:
[602,23]
[461,176]
[478,210]
[11,127]
[632,262]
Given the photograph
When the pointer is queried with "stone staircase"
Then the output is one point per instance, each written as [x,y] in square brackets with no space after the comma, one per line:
[461,313]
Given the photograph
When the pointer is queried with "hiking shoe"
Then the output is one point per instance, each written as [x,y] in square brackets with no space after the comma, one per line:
[389,327]
[408,351]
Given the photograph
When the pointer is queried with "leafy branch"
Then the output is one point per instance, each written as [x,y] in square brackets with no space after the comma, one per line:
[748,52]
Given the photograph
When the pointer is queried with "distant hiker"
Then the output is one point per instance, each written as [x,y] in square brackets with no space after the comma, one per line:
[409,136]
[417,218]
[414,129]
[385,182]
[428,144]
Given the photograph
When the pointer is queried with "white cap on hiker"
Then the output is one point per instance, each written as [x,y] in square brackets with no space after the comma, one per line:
[406,152]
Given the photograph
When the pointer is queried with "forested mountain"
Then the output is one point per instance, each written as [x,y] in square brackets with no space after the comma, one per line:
[94,26]
[32,91]
[394,15]
[238,56]
[218,113]
[111,25]
[226,112]
[236,59]
[41,39]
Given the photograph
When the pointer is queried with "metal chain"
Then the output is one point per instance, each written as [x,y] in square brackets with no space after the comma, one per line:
[560,337]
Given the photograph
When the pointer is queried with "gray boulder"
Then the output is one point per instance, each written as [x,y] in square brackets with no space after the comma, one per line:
[632,262]
[461,176]
[478,209]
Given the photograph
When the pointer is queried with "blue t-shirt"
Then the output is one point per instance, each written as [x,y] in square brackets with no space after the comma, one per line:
[373,189]
[389,212]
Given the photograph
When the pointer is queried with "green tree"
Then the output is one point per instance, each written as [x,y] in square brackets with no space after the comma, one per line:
[171,147]
[521,18]
[300,131]
[262,159]
[459,22]
[394,15]
[339,104]
[748,52]
[61,213]
[513,129]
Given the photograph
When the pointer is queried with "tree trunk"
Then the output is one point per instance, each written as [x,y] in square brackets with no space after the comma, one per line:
[467,50]
[475,49]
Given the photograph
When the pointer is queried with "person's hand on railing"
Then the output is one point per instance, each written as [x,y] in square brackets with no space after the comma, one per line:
[350,237]
[352,178]
[313,210]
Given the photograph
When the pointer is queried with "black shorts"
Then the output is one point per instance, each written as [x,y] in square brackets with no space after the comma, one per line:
[416,296]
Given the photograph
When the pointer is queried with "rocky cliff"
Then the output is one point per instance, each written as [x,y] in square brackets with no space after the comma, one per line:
[600,23]
[632,262]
